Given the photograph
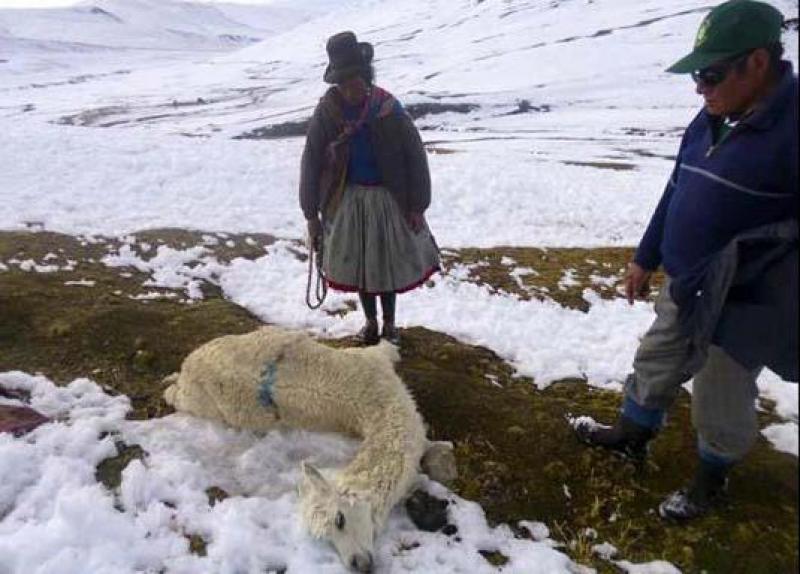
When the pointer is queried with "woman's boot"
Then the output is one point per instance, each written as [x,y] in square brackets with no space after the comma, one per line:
[368,335]
[389,331]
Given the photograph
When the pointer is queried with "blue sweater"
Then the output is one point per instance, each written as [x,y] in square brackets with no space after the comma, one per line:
[716,192]
[362,165]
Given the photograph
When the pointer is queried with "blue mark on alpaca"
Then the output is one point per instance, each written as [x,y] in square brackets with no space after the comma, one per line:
[268,378]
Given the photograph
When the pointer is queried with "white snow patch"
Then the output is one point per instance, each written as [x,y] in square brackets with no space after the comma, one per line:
[606,551]
[605,281]
[31,265]
[58,518]
[655,567]
[784,394]
[783,436]
[538,530]
[568,279]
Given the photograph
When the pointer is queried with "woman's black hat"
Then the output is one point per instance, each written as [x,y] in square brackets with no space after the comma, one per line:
[346,57]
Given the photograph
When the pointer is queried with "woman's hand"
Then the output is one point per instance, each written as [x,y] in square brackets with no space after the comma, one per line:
[415,220]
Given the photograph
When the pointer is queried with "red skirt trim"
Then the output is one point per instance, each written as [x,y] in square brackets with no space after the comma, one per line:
[355,289]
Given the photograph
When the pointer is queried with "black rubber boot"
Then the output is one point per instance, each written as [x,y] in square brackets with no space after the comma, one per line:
[390,333]
[626,437]
[368,335]
[707,489]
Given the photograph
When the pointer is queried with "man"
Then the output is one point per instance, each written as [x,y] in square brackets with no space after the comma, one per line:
[725,232]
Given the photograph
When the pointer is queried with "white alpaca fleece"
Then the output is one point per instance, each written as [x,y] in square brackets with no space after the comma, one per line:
[354,391]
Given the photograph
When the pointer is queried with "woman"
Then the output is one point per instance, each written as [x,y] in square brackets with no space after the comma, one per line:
[364,189]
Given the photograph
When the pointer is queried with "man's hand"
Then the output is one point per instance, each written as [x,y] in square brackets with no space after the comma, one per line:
[415,220]
[314,233]
[637,282]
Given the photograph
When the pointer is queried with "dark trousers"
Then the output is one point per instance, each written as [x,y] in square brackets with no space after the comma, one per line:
[370,305]
[724,392]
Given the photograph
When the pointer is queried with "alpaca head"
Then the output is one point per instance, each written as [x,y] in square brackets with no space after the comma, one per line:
[342,518]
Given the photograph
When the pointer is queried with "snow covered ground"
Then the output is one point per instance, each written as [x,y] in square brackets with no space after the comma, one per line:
[58,519]
[119,115]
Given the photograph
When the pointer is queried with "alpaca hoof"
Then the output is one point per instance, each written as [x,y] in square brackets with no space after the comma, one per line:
[427,512]
[439,462]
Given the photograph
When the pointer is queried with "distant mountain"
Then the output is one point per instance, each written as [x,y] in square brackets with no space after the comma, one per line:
[279,16]
[147,24]
[471,66]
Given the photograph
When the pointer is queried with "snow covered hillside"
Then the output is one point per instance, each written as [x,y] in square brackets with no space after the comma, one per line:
[133,24]
[549,124]
[548,106]
[98,37]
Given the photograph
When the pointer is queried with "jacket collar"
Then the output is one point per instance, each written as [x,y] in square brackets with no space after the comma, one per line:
[767,112]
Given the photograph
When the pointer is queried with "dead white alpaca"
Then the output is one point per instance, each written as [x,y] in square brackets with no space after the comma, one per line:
[273,377]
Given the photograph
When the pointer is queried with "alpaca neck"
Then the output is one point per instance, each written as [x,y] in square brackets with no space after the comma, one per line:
[386,462]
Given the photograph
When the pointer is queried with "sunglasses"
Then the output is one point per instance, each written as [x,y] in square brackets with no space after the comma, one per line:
[716,73]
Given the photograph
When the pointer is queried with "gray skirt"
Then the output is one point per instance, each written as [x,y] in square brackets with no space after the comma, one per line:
[368,246]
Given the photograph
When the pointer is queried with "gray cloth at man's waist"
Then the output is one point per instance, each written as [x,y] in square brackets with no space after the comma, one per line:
[748,303]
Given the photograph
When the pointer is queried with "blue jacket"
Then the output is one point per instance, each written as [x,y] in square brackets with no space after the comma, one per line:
[716,192]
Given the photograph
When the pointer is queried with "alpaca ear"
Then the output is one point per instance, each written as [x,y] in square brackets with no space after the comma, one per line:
[315,478]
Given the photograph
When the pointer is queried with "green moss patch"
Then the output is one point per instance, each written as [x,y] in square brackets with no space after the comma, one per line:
[560,275]
[197,545]
[215,495]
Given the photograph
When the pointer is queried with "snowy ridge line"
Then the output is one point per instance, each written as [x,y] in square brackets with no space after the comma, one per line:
[598,33]
[69,46]
[165,24]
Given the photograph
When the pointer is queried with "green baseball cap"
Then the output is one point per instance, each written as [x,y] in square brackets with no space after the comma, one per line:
[730,29]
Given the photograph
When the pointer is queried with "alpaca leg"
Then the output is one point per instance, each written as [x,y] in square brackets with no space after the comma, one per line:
[189,395]
[439,462]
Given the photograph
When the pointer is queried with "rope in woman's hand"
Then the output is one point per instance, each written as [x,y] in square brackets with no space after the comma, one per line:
[315,264]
